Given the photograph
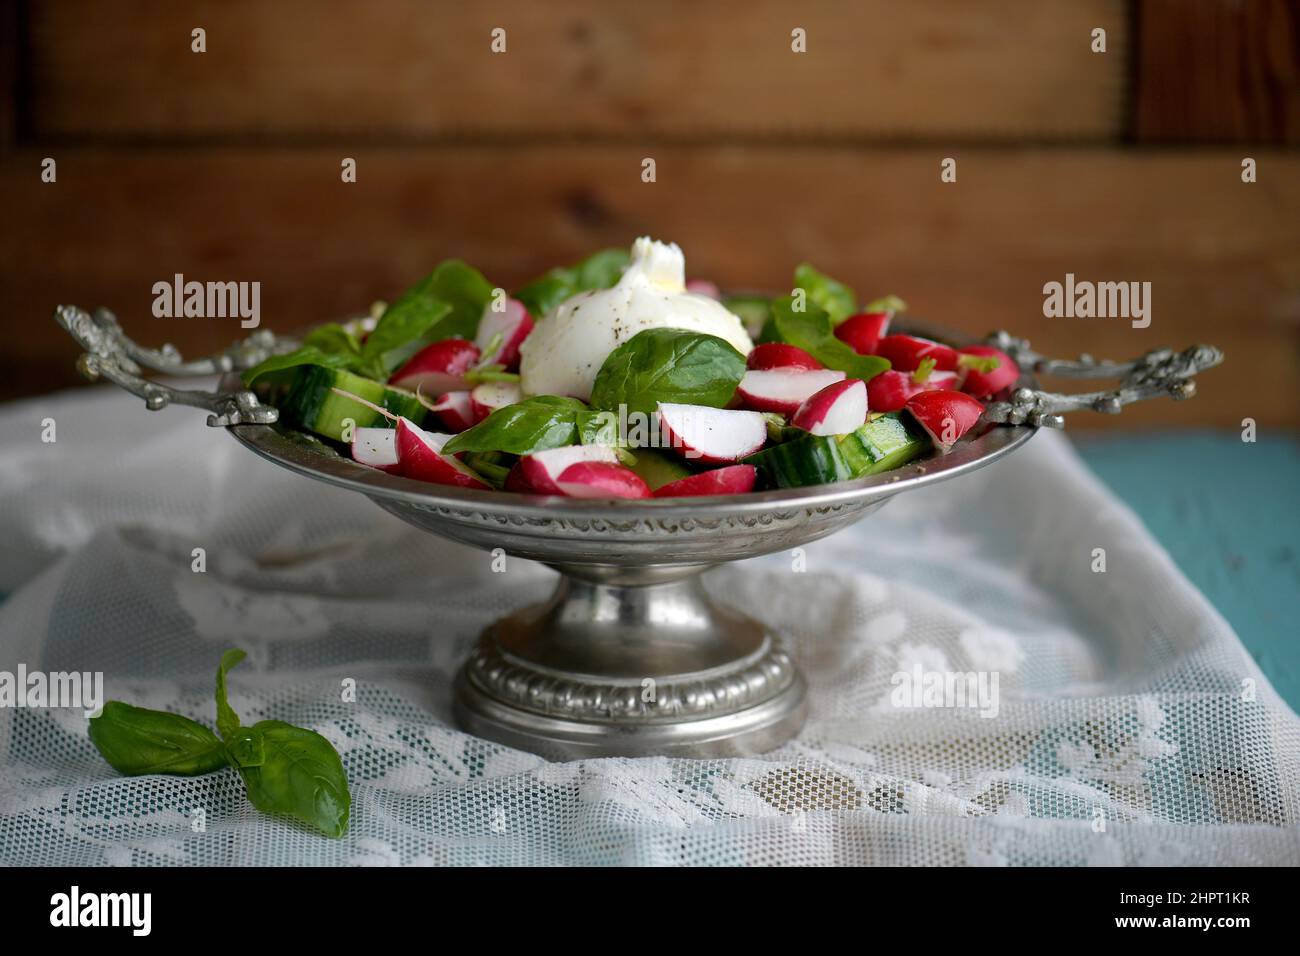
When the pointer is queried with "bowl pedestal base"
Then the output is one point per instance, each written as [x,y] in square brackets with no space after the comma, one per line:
[627,661]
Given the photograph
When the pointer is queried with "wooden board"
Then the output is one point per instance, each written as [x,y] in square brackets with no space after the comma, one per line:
[1223,256]
[1218,71]
[315,70]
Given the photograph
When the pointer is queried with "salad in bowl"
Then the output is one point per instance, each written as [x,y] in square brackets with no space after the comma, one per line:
[618,378]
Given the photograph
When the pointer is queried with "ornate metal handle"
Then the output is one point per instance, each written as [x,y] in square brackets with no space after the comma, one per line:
[110,354]
[1159,372]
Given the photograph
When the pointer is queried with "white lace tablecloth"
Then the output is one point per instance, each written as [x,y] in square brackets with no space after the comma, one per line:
[1132,727]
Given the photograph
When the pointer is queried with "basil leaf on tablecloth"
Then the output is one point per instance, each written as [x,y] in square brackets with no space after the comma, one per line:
[227,719]
[296,772]
[137,741]
[668,365]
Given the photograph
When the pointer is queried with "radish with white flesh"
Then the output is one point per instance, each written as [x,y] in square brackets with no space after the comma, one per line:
[712,435]
[704,287]
[455,410]
[488,397]
[376,447]
[863,332]
[905,353]
[778,355]
[945,415]
[782,390]
[837,409]
[732,480]
[979,380]
[539,472]
[513,325]
[438,368]
[419,456]
[601,479]
[890,390]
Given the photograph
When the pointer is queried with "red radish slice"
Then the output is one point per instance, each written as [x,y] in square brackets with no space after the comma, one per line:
[732,480]
[488,397]
[837,409]
[438,368]
[983,384]
[945,415]
[712,435]
[782,390]
[514,324]
[419,456]
[455,410]
[602,479]
[539,472]
[376,447]
[905,353]
[778,355]
[703,287]
[890,390]
[863,332]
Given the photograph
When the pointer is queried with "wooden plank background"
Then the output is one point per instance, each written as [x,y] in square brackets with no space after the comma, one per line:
[410,68]
[226,165]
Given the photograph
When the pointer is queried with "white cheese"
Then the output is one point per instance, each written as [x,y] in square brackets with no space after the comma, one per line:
[566,349]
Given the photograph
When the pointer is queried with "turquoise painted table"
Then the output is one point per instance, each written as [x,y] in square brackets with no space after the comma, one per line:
[1228,512]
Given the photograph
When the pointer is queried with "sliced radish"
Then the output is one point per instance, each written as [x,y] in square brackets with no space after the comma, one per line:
[488,397]
[419,456]
[890,390]
[376,447]
[703,287]
[514,324]
[983,384]
[438,368]
[601,479]
[778,355]
[905,353]
[455,410]
[837,409]
[782,390]
[863,332]
[539,472]
[732,480]
[945,415]
[712,435]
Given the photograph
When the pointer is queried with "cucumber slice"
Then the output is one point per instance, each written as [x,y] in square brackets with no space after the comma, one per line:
[491,466]
[883,443]
[310,403]
[657,469]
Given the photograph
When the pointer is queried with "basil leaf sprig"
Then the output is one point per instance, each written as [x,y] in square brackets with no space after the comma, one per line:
[598,271]
[811,331]
[285,769]
[837,299]
[445,304]
[668,365]
[534,424]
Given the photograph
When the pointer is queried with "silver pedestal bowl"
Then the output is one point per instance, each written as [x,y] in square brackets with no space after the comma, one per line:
[629,656]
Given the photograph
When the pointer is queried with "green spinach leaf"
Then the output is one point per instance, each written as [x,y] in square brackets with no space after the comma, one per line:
[137,741]
[668,365]
[811,331]
[535,424]
[836,298]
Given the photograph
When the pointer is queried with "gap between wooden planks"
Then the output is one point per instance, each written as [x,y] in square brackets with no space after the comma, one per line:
[1223,257]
